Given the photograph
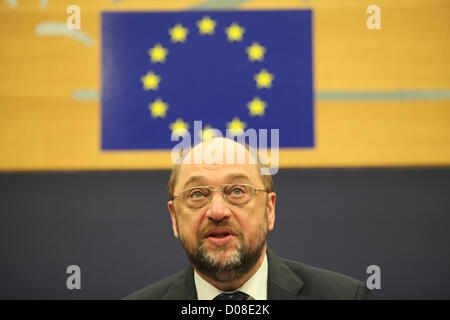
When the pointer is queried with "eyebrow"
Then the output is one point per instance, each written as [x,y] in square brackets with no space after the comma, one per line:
[237,176]
[193,179]
[231,177]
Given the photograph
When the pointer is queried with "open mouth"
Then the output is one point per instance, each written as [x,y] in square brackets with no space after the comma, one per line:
[219,232]
[220,240]
[219,235]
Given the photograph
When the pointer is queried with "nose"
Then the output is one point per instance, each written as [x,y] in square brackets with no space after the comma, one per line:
[218,209]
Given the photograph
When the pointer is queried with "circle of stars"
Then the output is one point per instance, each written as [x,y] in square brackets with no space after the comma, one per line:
[207,26]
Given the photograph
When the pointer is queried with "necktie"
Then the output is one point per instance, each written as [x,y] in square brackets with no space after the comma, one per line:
[238,295]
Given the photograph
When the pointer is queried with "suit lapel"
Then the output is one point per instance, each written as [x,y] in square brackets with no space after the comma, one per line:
[282,282]
[184,288]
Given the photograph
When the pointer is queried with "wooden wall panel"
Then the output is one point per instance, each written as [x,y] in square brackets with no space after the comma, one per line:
[43,127]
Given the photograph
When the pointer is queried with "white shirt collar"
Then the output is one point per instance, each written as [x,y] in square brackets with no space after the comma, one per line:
[256,286]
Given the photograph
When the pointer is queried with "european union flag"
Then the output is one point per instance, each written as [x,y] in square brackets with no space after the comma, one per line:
[161,71]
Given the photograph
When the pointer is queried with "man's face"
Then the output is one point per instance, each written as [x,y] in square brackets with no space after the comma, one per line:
[223,241]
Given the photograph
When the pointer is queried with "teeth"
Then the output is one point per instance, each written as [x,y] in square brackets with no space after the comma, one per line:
[220,235]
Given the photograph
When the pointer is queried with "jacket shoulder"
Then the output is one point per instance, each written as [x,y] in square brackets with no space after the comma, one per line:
[157,290]
[324,284]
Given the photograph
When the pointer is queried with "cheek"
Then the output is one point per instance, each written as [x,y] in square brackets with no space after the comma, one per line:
[189,226]
[251,221]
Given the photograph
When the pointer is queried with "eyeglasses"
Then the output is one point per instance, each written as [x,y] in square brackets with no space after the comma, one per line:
[234,194]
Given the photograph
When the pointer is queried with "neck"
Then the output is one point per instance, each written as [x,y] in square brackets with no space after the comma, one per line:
[237,283]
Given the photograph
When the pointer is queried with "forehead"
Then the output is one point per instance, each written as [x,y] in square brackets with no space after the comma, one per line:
[218,162]
[217,173]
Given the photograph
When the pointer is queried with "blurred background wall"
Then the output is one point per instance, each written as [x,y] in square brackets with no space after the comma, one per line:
[373,189]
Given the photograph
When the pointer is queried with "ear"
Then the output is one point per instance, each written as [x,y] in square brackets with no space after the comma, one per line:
[172,216]
[272,197]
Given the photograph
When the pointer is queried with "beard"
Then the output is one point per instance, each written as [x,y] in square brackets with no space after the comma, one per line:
[210,260]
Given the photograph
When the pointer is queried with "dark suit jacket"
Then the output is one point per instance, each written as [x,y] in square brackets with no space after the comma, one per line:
[287,280]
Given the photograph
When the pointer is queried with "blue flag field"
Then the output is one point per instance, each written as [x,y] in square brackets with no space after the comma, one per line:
[235,70]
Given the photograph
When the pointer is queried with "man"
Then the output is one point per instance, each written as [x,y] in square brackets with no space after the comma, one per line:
[222,208]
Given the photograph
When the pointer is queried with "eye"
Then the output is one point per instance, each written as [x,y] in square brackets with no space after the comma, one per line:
[237,191]
[197,194]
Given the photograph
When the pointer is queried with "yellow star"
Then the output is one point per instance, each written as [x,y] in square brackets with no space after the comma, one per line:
[158,108]
[179,127]
[208,133]
[206,25]
[150,81]
[256,107]
[234,32]
[264,79]
[158,53]
[178,33]
[236,126]
[256,52]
